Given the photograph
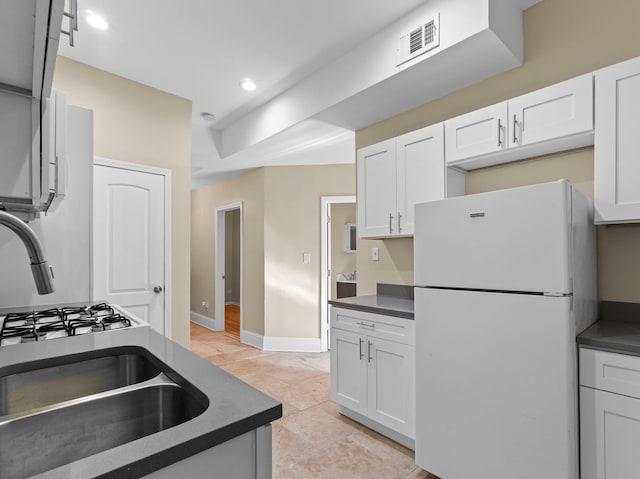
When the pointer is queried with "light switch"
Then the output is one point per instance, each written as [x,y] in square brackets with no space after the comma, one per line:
[306,258]
[375,254]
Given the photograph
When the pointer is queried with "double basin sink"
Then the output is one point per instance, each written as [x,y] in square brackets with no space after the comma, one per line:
[60,410]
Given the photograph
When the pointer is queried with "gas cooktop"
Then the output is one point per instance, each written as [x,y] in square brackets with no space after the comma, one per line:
[30,326]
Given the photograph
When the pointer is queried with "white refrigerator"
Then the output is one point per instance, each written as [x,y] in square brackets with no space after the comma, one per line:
[505,281]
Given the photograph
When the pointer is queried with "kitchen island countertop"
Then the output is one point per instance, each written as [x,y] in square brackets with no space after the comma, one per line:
[234,407]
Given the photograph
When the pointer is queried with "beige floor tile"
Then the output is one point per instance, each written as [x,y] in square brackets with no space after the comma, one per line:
[420,474]
[312,439]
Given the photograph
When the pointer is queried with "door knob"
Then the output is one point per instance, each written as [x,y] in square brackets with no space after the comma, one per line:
[157,289]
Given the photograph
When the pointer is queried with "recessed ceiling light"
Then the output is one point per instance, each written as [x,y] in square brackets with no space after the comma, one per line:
[247,84]
[96,21]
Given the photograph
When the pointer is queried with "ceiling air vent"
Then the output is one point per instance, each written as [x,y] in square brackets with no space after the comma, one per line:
[419,40]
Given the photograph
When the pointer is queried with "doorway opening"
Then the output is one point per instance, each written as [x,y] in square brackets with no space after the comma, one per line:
[228,279]
[338,277]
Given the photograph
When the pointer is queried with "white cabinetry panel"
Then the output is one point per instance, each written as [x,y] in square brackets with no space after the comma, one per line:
[609,415]
[376,166]
[373,369]
[555,118]
[395,175]
[559,110]
[348,370]
[391,385]
[477,133]
[617,143]
[420,172]
[610,434]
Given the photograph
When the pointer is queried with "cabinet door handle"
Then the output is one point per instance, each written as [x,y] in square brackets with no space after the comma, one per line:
[361,341]
[399,227]
[369,351]
[515,129]
[390,220]
[499,133]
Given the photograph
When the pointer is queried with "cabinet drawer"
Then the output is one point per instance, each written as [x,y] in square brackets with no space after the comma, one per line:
[391,328]
[613,372]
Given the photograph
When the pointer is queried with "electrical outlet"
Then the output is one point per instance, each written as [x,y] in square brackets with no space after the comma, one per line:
[205,305]
[375,254]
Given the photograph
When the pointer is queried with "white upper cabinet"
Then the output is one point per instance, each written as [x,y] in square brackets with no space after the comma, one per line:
[478,133]
[395,175]
[556,118]
[376,166]
[420,173]
[29,35]
[617,143]
[560,110]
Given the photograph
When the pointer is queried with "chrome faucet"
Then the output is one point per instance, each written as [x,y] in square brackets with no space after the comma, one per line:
[42,272]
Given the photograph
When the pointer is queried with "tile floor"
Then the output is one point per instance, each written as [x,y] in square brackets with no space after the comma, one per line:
[311,440]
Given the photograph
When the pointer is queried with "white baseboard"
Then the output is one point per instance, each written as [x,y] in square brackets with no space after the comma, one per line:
[298,345]
[252,339]
[203,321]
[266,343]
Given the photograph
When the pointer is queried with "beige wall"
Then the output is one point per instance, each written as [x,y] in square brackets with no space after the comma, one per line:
[559,43]
[292,227]
[139,124]
[281,221]
[341,262]
[247,189]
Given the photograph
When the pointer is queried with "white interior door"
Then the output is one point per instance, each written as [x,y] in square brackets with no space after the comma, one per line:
[129,242]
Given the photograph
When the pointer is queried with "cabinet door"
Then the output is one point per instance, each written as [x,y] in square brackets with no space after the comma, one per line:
[391,385]
[477,133]
[617,143]
[560,110]
[377,189]
[349,370]
[19,148]
[609,435]
[420,172]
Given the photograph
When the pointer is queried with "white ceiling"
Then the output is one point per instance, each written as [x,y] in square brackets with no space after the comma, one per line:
[200,49]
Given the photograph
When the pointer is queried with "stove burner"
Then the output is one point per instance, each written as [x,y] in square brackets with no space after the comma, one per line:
[55,323]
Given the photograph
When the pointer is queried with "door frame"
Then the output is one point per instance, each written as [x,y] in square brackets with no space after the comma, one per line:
[220,240]
[325,254]
[168,289]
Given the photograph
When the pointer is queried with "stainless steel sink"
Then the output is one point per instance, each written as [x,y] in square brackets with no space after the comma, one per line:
[35,384]
[125,395]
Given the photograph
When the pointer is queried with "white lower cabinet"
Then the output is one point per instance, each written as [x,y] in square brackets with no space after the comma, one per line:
[609,415]
[373,371]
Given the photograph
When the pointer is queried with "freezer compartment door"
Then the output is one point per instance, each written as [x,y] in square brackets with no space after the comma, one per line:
[512,240]
[495,385]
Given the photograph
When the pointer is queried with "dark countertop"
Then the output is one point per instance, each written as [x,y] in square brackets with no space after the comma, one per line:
[234,407]
[391,300]
[618,329]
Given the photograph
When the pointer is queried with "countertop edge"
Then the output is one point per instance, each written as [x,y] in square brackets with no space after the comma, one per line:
[235,407]
[376,309]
